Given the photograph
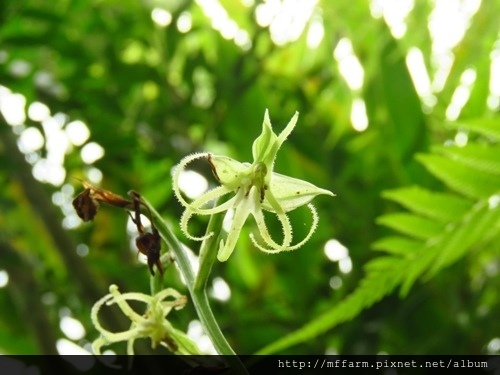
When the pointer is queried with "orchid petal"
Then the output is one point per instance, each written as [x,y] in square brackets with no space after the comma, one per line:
[287,230]
[188,213]
[207,197]
[241,212]
[278,249]
[288,129]
[290,193]
[151,324]
[177,172]
[265,146]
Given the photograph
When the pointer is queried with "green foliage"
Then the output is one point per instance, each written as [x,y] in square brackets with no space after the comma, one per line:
[442,228]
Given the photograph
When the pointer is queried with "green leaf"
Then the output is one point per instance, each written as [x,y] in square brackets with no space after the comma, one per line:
[421,261]
[478,99]
[464,179]
[412,225]
[443,207]
[478,156]
[397,245]
[468,52]
[472,230]
[488,127]
[475,228]
[407,132]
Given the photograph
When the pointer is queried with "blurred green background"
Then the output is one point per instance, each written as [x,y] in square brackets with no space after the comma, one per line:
[398,104]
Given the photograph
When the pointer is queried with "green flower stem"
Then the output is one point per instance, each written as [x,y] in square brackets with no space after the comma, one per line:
[156,281]
[198,296]
[208,251]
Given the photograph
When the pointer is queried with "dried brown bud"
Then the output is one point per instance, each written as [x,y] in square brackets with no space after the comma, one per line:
[107,196]
[149,244]
[86,205]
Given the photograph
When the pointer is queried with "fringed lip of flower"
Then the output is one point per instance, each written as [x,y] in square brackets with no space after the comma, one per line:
[256,188]
[152,323]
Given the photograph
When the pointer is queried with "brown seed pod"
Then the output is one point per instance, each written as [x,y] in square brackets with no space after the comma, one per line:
[86,205]
[149,244]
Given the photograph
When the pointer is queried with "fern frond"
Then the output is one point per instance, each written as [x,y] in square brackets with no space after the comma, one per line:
[469,232]
[412,225]
[478,156]
[397,245]
[488,127]
[383,275]
[443,207]
[466,180]
[438,229]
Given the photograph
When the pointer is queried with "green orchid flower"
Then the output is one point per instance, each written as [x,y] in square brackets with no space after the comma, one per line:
[256,187]
[152,324]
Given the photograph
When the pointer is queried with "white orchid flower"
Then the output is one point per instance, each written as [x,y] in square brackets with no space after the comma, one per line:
[256,188]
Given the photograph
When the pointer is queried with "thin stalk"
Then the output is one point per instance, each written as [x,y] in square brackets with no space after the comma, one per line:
[156,280]
[208,251]
[198,296]
[180,255]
